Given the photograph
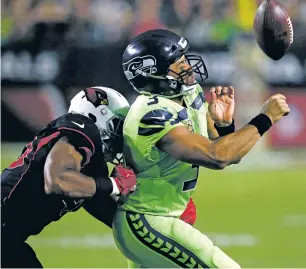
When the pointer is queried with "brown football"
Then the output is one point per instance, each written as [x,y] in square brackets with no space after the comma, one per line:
[273,29]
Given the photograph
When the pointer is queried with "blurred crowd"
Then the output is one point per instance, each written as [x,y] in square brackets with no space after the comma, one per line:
[51,49]
[97,22]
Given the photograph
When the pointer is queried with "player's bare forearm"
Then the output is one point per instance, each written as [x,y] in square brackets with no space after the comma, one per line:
[75,184]
[62,172]
[195,149]
[233,147]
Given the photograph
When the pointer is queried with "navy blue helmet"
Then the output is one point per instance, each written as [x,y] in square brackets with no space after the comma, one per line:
[146,63]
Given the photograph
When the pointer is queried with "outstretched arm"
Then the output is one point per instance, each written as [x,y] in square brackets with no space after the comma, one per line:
[195,149]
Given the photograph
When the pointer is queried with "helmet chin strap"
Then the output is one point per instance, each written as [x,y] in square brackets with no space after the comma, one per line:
[184,88]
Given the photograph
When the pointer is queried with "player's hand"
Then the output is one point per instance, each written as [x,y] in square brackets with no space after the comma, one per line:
[190,213]
[222,105]
[276,107]
[124,178]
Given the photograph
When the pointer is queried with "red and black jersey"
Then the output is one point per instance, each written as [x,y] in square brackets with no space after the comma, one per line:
[26,208]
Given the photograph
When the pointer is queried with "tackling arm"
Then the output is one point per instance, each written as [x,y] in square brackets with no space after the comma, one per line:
[62,173]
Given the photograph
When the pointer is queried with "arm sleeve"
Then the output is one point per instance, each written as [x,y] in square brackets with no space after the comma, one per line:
[103,208]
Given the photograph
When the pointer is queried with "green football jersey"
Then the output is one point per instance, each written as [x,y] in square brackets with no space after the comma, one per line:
[164,184]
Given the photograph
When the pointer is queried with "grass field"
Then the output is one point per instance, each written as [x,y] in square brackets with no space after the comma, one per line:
[258,218]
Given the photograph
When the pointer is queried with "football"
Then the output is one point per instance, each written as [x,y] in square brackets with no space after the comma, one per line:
[273,29]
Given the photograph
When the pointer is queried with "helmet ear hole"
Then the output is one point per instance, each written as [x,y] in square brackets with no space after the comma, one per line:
[93,117]
[173,48]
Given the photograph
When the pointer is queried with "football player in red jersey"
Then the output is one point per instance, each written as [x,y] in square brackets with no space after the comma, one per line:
[63,169]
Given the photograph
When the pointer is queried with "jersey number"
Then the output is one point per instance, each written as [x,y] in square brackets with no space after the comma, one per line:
[154,101]
[20,160]
[190,184]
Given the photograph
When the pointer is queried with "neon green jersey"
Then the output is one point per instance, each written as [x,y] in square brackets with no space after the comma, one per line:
[164,184]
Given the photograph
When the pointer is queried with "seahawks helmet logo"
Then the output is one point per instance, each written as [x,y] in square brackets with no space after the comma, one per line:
[140,66]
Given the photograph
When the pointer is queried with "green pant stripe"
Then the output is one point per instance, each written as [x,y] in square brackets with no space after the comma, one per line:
[162,244]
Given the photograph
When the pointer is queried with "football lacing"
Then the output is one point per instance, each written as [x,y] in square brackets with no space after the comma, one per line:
[290,29]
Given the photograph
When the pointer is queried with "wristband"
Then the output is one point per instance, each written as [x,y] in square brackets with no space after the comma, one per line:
[116,190]
[104,186]
[222,131]
[262,122]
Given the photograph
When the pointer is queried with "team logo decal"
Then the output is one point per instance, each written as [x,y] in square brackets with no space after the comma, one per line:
[140,66]
[96,96]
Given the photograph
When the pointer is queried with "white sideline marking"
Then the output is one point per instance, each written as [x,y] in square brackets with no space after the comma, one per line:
[107,241]
[228,240]
[294,220]
[87,241]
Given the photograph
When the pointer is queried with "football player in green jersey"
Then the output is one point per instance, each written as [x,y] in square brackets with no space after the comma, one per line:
[168,133]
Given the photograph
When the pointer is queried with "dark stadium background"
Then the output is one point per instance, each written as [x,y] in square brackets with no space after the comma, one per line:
[50,50]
